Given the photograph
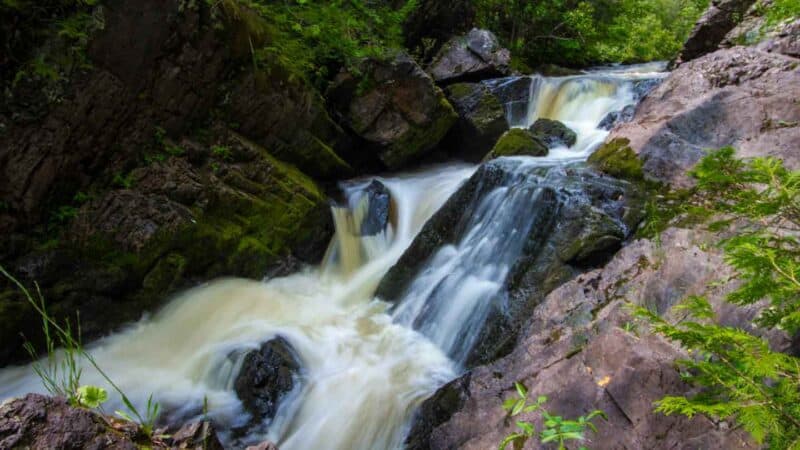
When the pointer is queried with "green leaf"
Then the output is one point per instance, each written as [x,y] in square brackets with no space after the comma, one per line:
[92,396]
[521,390]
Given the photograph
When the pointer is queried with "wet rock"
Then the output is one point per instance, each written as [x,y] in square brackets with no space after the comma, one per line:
[436,411]
[196,436]
[266,445]
[517,142]
[553,133]
[514,93]
[578,219]
[698,106]
[577,352]
[398,110]
[617,159]
[710,30]
[379,203]
[615,117]
[266,377]
[482,120]
[473,57]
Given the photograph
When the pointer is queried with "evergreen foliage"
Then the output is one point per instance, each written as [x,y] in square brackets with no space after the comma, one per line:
[740,376]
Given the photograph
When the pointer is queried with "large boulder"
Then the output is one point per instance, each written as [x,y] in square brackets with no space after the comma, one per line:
[517,142]
[515,95]
[482,120]
[378,210]
[566,219]
[473,57]
[699,106]
[583,351]
[394,106]
[266,377]
[37,421]
[710,30]
[553,133]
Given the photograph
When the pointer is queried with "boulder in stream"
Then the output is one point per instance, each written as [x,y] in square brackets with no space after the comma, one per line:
[517,142]
[267,375]
[378,211]
[565,220]
[394,107]
[482,120]
[473,57]
[553,133]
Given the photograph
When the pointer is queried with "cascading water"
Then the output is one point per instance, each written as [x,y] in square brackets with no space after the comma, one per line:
[365,370]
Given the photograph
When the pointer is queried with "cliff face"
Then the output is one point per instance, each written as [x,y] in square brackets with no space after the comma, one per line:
[170,160]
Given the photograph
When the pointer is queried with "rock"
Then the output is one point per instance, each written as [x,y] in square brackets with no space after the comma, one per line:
[710,30]
[515,94]
[577,353]
[379,204]
[517,142]
[553,133]
[38,421]
[432,23]
[614,117]
[139,186]
[266,445]
[574,219]
[698,106]
[785,40]
[473,57]
[266,377]
[398,111]
[617,159]
[482,120]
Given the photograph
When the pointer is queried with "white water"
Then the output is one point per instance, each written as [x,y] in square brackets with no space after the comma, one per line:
[366,371]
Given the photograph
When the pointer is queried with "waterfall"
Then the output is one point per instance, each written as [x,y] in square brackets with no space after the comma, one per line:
[367,368]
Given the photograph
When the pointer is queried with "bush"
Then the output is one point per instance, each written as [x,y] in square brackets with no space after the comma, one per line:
[740,376]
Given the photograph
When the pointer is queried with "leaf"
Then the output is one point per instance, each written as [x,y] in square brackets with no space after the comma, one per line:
[527,427]
[518,407]
[521,390]
[92,396]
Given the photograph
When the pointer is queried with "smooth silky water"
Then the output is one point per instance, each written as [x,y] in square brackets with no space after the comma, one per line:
[366,368]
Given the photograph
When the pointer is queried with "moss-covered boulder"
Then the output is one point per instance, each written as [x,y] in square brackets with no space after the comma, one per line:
[482,120]
[517,142]
[616,158]
[394,106]
[553,133]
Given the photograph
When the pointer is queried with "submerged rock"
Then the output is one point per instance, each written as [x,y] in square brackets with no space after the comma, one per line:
[395,107]
[699,106]
[482,120]
[515,95]
[566,219]
[517,142]
[266,377]
[473,57]
[553,133]
[379,204]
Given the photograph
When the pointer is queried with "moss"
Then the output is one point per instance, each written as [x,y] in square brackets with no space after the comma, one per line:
[517,142]
[423,137]
[616,158]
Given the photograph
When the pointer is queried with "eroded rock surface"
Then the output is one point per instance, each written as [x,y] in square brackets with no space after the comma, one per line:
[741,96]
[577,352]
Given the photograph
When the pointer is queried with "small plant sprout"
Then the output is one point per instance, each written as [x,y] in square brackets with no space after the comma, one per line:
[555,429]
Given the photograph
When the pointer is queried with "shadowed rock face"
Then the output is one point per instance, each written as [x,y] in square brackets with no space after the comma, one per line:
[396,109]
[563,220]
[473,57]
[575,351]
[482,120]
[699,106]
[128,187]
[379,208]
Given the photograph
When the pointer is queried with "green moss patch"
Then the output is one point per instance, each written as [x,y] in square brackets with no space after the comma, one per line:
[618,159]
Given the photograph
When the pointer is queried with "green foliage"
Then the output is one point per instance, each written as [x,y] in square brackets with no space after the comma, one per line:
[575,32]
[61,371]
[315,38]
[123,181]
[740,376]
[222,152]
[781,10]
[555,429]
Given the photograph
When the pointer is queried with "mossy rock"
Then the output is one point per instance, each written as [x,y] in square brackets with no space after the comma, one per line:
[618,159]
[553,133]
[482,120]
[517,142]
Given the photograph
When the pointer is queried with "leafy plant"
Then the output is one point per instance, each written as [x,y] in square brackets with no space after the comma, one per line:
[222,152]
[61,373]
[123,181]
[740,376]
[555,429]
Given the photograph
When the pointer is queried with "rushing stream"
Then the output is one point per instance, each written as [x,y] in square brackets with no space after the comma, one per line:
[366,367]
